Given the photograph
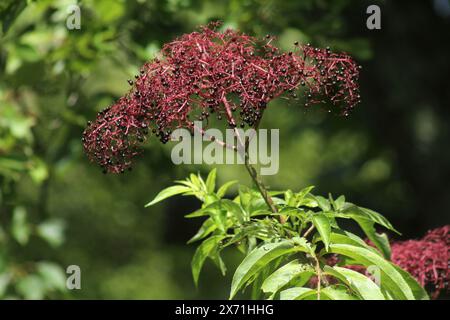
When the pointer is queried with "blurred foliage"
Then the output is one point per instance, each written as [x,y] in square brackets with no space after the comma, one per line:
[56,209]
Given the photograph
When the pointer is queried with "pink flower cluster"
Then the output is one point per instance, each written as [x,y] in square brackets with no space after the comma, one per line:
[227,74]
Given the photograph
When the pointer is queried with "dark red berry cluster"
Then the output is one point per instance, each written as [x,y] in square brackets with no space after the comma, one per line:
[226,74]
[426,259]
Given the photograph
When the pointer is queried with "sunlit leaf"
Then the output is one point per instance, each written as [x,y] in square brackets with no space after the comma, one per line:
[261,256]
[211,181]
[167,193]
[365,287]
[223,189]
[203,251]
[285,274]
[297,293]
[335,293]
[207,227]
[391,280]
[322,225]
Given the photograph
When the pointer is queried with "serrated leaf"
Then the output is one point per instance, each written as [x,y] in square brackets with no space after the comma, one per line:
[289,198]
[285,274]
[308,201]
[197,180]
[361,284]
[391,280]
[261,256]
[223,189]
[339,203]
[381,241]
[207,227]
[220,209]
[323,203]
[203,251]
[211,181]
[355,212]
[245,197]
[418,291]
[297,293]
[302,193]
[336,293]
[167,193]
[345,237]
[322,225]
[233,208]
[219,262]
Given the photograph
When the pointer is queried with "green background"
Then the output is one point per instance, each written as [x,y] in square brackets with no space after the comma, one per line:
[56,209]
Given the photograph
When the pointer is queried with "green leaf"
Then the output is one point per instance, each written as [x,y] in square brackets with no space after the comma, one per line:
[223,189]
[209,198]
[38,170]
[361,284]
[261,256]
[198,181]
[345,237]
[331,200]
[418,291]
[289,198]
[221,213]
[336,293]
[285,274]
[380,240]
[245,197]
[297,293]
[391,280]
[302,193]
[211,181]
[203,251]
[339,203]
[323,203]
[308,201]
[10,11]
[52,231]
[31,287]
[52,274]
[322,225]
[205,211]
[20,228]
[207,227]
[219,262]
[219,217]
[355,212]
[167,193]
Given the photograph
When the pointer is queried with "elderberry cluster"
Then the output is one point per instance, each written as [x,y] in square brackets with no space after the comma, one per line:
[228,75]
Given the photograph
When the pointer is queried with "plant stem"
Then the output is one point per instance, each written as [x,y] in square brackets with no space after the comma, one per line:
[308,231]
[251,170]
[319,277]
[261,188]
